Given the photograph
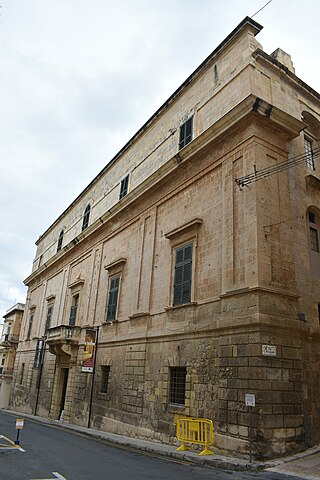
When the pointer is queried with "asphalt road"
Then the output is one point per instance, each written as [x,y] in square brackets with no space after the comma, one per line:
[53,453]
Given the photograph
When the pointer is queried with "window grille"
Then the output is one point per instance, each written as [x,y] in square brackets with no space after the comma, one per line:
[105,373]
[177,389]
[113,298]
[186,133]
[183,275]
[314,243]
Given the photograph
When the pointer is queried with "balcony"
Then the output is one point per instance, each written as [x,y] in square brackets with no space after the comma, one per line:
[63,340]
[9,339]
[6,372]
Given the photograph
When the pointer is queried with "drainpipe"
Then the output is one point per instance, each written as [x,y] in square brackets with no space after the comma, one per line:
[93,374]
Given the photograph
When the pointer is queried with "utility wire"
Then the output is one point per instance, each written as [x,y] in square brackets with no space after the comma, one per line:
[264,6]
[279,167]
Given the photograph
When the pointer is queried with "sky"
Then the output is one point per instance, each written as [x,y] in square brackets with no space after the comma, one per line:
[79,77]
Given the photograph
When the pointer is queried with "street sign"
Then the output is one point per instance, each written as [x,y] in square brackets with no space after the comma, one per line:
[19,423]
[250,400]
[269,350]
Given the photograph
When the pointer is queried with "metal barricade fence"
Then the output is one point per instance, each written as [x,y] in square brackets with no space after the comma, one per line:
[195,430]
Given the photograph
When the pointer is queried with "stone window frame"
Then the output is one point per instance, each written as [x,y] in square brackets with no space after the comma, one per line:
[50,303]
[76,289]
[114,269]
[175,362]
[186,131]
[32,311]
[308,150]
[124,186]
[185,234]
[60,240]
[86,217]
[106,396]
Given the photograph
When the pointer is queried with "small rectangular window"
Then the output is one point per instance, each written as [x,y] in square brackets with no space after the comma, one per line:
[319,312]
[124,187]
[105,372]
[73,310]
[113,297]
[309,153]
[183,275]
[177,388]
[314,243]
[186,133]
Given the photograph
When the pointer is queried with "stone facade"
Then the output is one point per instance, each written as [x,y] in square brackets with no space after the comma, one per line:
[8,345]
[249,322]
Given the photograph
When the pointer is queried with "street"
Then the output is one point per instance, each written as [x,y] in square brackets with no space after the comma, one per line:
[49,452]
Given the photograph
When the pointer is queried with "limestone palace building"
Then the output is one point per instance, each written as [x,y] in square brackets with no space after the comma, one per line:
[187,273]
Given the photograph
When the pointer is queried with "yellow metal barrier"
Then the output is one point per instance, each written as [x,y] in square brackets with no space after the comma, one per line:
[195,430]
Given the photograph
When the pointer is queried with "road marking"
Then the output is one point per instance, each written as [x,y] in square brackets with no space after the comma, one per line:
[11,445]
[56,475]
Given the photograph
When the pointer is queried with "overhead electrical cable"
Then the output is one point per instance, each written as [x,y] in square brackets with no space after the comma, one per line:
[279,167]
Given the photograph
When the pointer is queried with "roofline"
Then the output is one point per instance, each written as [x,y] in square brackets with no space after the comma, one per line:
[247,21]
[17,306]
[265,56]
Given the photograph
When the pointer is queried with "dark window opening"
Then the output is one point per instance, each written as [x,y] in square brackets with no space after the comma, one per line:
[177,390]
[186,133]
[124,187]
[48,318]
[312,217]
[183,275]
[105,372]
[60,240]
[319,312]
[86,217]
[73,310]
[309,153]
[314,242]
[113,298]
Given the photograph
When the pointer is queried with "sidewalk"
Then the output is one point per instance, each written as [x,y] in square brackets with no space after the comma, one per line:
[305,464]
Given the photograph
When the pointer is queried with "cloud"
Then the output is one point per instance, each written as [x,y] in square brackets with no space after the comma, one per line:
[79,78]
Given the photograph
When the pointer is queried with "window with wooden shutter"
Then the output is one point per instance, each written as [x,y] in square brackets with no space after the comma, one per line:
[183,275]
[86,216]
[73,310]
[113,297]
[124,187]
[48,319]
[60,240]
[186,130]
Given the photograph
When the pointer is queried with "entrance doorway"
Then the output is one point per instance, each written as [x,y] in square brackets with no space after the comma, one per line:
[64,384]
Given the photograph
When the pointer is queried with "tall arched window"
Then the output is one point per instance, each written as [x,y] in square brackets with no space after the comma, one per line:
[60,240]
[86,216]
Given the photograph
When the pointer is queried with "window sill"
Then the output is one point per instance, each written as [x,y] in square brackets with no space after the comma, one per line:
[139,315]
[172,408]
[184,305]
